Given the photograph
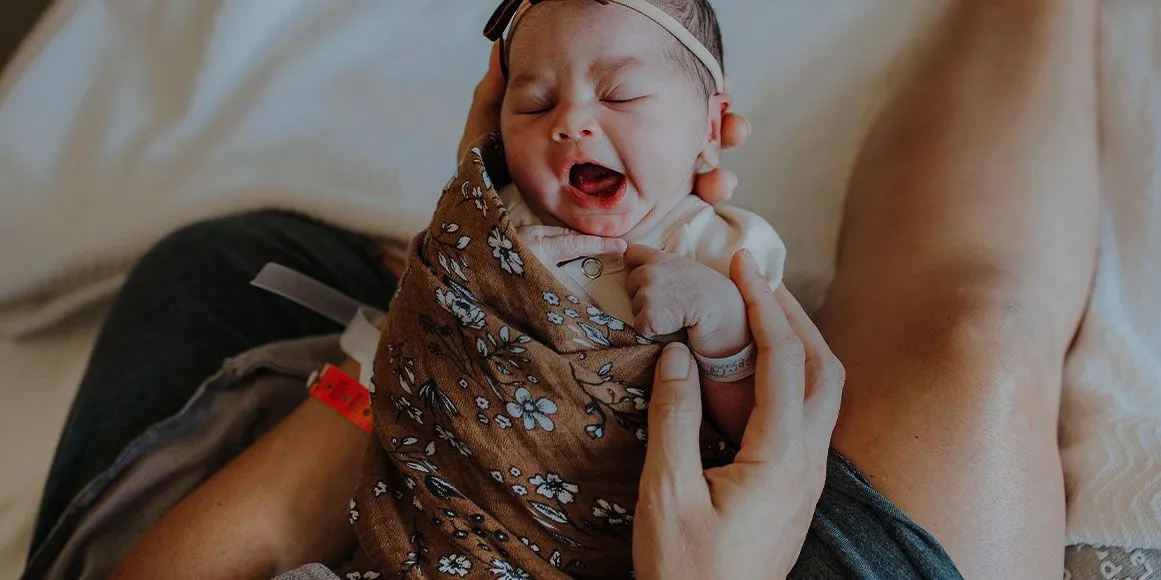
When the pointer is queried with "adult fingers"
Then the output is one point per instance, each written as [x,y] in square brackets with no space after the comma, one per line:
[537,234]
[484,113]
[735,130]
[673,457]
[780,377]
[825,372]
[716,186]
[569,247]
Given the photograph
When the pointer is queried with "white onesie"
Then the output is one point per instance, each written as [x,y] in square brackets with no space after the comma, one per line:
[694,229]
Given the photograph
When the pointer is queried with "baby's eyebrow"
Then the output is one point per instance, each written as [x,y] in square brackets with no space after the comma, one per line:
[612,66]
[522,79]
[603,67]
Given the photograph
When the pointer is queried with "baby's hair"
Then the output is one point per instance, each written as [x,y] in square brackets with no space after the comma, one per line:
[699,18]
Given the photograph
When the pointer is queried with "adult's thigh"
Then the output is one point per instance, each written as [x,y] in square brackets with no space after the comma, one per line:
[950,412]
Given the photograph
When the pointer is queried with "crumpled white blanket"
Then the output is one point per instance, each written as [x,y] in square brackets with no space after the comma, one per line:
[121,120]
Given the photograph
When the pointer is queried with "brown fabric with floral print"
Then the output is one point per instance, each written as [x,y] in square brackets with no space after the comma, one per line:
[509,415]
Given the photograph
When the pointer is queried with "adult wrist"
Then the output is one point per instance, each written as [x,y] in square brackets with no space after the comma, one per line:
[343,394]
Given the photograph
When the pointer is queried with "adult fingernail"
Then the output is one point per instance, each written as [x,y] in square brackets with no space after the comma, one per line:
[748,257]
[733,180]
[674,365]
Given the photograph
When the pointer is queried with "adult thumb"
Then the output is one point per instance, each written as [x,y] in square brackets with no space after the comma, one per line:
[675,419]
[488,98]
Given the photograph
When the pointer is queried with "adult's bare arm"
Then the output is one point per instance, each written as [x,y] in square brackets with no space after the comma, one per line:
[280,504]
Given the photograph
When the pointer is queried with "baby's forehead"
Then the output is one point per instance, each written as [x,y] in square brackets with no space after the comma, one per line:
[604,38]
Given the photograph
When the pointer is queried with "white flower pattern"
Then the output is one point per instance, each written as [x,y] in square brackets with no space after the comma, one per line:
[505,571]
[552,486]
[601,319]
[611,512]
[533,411]
[502,250]
[368,575]
[475,195]
[469,314]
[455,565]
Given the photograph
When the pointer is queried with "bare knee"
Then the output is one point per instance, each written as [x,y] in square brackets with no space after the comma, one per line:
[978,349]
[950,410]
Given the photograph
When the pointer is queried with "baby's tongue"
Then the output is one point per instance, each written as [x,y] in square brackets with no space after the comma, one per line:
[595,180]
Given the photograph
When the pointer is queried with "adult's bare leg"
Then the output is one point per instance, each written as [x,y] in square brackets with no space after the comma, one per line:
[968,248]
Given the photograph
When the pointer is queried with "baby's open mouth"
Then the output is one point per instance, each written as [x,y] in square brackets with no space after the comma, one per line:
[595,180]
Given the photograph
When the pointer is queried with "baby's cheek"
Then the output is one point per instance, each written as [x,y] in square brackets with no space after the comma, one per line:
[521,162]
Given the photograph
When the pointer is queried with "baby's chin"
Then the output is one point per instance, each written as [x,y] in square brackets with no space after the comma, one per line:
[605,226]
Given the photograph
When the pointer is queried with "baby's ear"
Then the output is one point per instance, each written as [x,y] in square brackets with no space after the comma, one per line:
[711,154]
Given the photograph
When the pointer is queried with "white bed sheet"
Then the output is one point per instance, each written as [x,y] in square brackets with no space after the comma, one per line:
[121,120]
[41,374]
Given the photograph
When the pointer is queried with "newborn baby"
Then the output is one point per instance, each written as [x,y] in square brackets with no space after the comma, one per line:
[604,132]
[513,375]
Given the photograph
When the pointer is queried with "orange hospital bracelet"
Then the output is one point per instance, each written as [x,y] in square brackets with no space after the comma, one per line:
[344,394]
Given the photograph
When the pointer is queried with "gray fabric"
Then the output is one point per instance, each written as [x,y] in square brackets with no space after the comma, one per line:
[858,533]
[1104,563]
[248,397]
[310,572]
[306,291]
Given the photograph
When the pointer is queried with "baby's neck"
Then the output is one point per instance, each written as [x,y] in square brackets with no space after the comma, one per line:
[646,230]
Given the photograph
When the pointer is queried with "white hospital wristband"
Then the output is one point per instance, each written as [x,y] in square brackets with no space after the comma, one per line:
[730,369]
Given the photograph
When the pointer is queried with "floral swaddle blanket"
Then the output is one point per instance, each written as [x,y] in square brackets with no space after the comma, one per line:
[510,415]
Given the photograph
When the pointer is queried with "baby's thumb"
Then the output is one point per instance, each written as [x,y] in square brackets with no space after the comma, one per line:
[675,419]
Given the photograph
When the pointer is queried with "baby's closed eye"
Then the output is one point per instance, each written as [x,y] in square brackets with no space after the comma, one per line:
[532,105]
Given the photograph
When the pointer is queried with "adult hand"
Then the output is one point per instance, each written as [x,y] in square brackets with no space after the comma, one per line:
[747,519]
[553,245]
[484,117]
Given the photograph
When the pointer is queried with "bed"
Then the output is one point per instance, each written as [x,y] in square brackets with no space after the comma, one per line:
[121,120]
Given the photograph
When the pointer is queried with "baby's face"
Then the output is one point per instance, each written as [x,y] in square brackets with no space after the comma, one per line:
[602,128]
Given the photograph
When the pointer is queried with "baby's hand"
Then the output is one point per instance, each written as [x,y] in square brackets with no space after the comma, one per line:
[671,293]
[553,245]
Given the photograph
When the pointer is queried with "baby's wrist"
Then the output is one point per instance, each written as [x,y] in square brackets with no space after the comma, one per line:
[716,349]
[726,337]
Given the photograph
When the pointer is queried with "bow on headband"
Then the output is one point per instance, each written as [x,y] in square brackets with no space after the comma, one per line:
[507,16]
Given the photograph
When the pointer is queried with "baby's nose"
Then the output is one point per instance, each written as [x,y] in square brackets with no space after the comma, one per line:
[572,126]
[563,134]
